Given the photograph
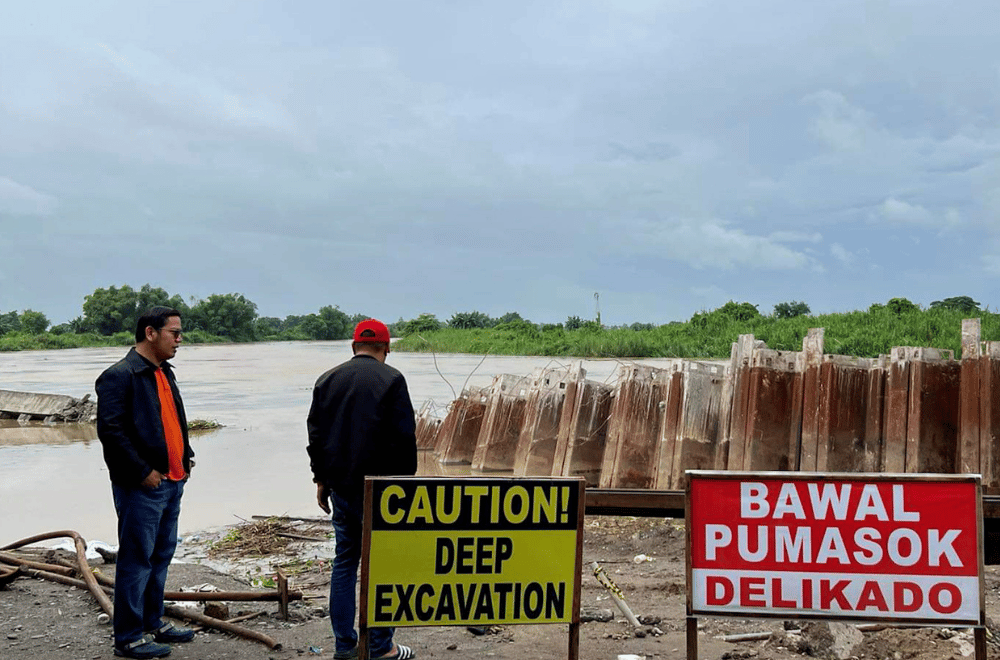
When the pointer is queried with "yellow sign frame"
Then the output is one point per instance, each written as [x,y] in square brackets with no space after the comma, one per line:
[473,551]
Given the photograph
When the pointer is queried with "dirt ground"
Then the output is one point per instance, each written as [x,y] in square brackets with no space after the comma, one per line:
[643,556]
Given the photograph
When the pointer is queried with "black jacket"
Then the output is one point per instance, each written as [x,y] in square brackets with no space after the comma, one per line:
[128,420]
[361,423]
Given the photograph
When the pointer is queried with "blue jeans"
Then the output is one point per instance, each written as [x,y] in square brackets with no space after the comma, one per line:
[344,579]
[147,537]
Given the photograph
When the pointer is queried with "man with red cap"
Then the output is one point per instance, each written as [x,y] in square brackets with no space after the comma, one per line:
[361,423]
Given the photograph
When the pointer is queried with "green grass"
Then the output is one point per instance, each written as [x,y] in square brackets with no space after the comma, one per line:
[861,334]
[707,335]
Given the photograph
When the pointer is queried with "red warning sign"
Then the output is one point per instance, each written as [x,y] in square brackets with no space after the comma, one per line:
[871,547]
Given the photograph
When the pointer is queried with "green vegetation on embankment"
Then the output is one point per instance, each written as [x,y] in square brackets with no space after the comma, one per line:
[711,334]
[109,317]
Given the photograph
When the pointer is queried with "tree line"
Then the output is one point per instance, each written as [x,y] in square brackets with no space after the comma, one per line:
[109,316]
[113,311]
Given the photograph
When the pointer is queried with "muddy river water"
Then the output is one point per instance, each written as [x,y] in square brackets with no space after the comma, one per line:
[53,477]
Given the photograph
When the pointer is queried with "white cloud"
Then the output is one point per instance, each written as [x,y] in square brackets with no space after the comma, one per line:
[709,294]
[898,211]
[188,95]
[840,124]
[18,199]
[713,244]
[795,237]
[841,254]
[991,264]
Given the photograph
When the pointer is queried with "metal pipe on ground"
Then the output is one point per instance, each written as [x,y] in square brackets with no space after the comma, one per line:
[62,569]
[616,594]
[172,610]
[243,596]
[235,619]
[210,622]
[81,557]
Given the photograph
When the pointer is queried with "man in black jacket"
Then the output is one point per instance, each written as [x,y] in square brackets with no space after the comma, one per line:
[143,431]
[361,423]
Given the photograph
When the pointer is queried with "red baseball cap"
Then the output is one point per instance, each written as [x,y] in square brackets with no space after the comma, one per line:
[378,332]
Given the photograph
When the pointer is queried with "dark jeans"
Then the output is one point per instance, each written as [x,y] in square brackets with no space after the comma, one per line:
[147,537]
[344,580]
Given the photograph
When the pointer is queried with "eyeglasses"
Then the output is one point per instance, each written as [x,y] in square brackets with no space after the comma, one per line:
[176,333]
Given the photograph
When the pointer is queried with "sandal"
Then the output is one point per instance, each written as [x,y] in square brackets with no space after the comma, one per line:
[143,648]
[402,653]
[171,634]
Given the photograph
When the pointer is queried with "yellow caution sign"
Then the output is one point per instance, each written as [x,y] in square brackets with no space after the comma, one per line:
[473,551]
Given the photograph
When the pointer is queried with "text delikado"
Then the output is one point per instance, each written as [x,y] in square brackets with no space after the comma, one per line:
[823,593]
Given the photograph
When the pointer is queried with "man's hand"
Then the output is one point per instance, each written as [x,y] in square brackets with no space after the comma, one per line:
[323,497]
[152,480]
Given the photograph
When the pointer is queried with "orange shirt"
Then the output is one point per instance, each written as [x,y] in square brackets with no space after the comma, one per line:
[171,428]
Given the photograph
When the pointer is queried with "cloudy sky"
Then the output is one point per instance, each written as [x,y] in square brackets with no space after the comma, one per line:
[395,158]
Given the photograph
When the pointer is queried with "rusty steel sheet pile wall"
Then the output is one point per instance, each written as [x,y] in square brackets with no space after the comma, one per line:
[456,441]
[932,422]
[774,419]
[692,429]
[583,428]
[848,397]
[989,417]
[875,401]
[496,446]
[766,425]
[842,396]
[809,439]
[536,445]
[670,421]
[921,407]
[428,426]
[734,442]
[979,409]
[634,428]
[969,415]
[896,403]
[916,410]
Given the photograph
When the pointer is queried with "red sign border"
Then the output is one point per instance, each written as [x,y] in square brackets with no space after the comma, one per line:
[865,477]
